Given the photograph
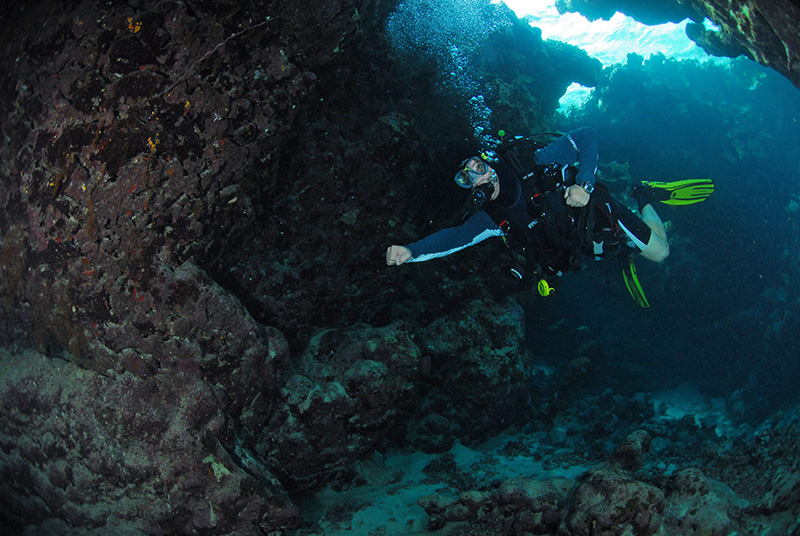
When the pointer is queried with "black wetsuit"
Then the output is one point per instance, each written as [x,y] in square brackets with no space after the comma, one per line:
[552,234]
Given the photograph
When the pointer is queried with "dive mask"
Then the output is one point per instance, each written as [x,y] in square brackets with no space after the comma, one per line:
[467,175]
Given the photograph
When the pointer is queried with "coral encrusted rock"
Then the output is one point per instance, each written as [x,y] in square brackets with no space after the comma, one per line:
[480,377]
[700,505]
[527,504]
[349,391]
[122,452]
[611,502]
[141,141]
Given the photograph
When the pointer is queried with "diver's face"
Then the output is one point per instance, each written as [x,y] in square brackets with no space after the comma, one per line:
[482,173]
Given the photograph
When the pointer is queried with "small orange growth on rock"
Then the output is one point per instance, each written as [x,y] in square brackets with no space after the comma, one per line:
[134,26]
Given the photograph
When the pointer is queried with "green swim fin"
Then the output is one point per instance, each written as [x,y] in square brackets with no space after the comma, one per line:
[633,285]
[685,192]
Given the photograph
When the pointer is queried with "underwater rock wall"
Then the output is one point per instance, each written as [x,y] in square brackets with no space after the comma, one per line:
[180,177]
[478,376]
[371,162]
[140,142]
[167,184]
[763,30]
[349,393]
[124,453]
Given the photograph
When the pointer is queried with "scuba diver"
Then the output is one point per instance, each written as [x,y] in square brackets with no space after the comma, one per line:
[552,212]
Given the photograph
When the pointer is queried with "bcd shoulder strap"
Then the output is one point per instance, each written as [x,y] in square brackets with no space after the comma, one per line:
[518,154]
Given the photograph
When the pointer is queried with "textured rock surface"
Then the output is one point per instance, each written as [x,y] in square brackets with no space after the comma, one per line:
[348,393]
[697,503]
[479,375]
[141,138]
[177,176]
[610,502]
[121,451]
[140,143]
[603,500]
[771,490]
[530,505]
[746,484]
[629,453]
[766,31]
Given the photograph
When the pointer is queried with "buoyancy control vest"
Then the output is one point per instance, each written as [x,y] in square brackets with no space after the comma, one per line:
[531,211]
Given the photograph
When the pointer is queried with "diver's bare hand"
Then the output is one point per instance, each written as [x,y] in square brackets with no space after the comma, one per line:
[576,196]
[397,255]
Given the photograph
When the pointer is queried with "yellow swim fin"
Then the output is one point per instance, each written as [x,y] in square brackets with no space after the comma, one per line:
[685,192]
[633,285]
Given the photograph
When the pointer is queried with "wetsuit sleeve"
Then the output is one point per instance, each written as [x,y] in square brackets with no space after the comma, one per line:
[476,229]
[579,145]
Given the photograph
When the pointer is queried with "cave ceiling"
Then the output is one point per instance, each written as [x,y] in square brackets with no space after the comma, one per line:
[766,31]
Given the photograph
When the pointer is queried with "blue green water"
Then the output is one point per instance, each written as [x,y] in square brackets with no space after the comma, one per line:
[725,304]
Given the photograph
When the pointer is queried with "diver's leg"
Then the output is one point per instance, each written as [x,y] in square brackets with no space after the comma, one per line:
[657,248]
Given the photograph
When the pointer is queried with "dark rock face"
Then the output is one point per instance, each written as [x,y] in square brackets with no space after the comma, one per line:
[141,140]
[763,30]
[140,144]
[531,75]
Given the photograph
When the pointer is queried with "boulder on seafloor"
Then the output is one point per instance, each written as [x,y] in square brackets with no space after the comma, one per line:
[609,500]
[698,503]
[348,392]
[479,377]
[629,454]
